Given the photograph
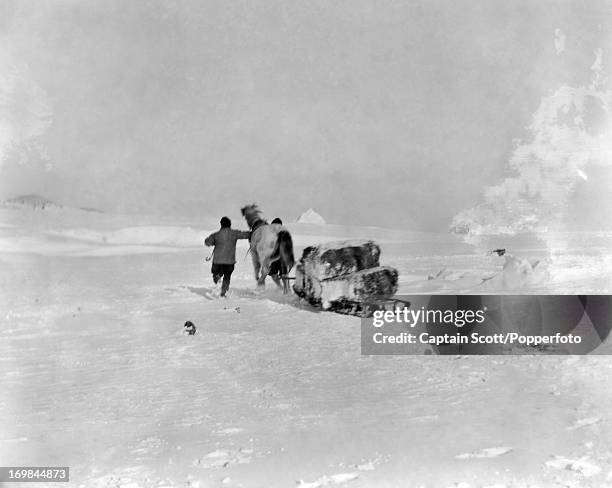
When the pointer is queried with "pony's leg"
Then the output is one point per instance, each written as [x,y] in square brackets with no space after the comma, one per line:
[256,264]
[276,280]
[275,276]
[284,278]
[265,269]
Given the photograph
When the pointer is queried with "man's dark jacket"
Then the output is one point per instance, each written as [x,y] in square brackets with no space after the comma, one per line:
[224,241]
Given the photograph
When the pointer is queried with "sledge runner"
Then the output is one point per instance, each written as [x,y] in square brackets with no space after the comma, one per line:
[224,252]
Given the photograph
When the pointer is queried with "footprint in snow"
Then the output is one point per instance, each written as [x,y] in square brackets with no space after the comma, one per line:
[489,452]
[229,431]
[334,479]
[222,458]
[581,466]
[369,466]
[584,422]
[366,465]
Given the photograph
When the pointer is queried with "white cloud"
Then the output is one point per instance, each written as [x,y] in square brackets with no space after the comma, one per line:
[25,112]
[559,41]
[569,132]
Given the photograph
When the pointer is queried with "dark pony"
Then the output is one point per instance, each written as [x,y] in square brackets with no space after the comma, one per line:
[269,243]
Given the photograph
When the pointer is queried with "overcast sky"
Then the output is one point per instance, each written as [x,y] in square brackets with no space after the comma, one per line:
[379,112]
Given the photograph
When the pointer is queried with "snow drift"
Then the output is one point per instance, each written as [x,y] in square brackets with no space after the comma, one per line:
[518,274]
[173,236]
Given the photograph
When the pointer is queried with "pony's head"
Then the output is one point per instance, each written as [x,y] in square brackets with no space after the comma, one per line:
[252,215]
[249,210]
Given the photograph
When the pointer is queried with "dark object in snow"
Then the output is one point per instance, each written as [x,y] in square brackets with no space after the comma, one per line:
[235,309]
[190,329]
[499,252]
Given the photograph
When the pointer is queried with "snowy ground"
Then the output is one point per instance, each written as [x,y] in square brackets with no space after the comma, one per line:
[97,375]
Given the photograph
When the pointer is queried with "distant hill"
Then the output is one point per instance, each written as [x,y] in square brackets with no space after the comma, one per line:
[37,202]
[31,201]
[310,217]
[89,209]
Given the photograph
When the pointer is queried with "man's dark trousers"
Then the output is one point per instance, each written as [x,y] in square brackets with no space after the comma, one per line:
[222,270]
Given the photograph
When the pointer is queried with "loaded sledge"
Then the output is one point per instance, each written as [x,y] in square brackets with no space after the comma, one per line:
[346,277]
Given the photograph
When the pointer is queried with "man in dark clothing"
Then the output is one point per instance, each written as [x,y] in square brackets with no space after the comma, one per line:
[275,268]
[224,253]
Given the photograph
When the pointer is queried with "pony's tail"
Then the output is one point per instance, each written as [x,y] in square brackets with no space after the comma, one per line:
[285,249]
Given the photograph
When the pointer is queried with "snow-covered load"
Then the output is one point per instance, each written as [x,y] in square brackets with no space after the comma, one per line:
[341,275]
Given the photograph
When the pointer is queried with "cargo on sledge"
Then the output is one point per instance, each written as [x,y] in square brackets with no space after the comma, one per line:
[346,277]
